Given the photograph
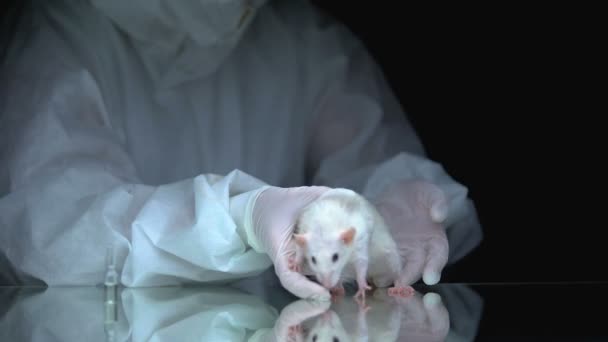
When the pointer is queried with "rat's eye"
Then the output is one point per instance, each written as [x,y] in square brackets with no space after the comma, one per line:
[314,261]
[314,338]
[336,339]
[334,257]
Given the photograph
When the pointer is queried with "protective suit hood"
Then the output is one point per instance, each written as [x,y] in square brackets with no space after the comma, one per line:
[181,40]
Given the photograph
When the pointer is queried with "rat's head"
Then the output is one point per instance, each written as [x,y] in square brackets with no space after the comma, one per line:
[327,254]
[327,234]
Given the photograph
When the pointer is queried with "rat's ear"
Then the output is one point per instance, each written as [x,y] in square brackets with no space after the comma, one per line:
[301,239]
[347,236]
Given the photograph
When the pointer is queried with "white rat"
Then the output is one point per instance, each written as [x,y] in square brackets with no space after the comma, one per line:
[340,231]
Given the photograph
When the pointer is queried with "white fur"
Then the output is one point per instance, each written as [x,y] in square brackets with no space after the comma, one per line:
[330,215]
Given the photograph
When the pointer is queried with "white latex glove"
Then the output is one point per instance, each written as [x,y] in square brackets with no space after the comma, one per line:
[414,212]
[274,215]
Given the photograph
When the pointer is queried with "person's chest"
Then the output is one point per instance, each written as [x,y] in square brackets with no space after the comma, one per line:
[249,115]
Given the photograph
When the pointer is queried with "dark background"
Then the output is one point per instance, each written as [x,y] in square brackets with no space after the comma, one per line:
[503,98]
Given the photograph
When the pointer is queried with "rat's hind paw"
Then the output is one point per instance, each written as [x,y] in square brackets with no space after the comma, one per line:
[401,291]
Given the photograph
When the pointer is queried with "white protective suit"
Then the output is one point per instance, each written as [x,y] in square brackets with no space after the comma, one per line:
[152,125]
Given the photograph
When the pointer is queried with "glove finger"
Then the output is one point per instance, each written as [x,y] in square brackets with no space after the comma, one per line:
[435,199]
[413,265]
[439,211]
[298,284]
[305,194]
[437,257]
[303,287]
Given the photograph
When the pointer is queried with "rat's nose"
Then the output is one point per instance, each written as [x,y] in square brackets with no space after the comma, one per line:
[327,281]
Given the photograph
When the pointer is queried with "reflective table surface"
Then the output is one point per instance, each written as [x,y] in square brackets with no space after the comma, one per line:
[262,312]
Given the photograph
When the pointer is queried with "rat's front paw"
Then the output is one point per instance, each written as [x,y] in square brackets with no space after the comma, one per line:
[295,333]
[401,291]
[337,291]
[293,264]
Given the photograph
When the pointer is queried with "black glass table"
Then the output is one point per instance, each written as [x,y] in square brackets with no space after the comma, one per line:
[262,312]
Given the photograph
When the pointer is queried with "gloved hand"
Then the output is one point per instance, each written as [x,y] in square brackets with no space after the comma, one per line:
[414,211]
[275,213]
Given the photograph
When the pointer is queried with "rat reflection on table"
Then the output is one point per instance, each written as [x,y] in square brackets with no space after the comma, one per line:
[420,317]
[230,314]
